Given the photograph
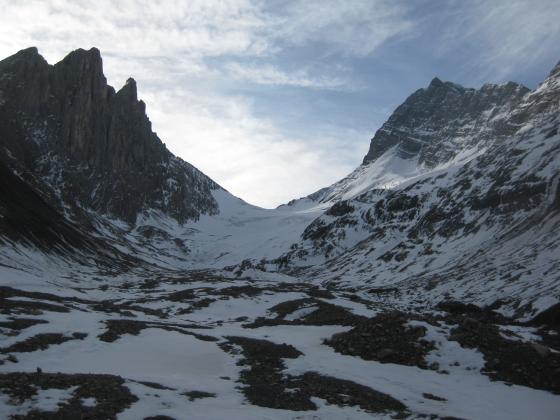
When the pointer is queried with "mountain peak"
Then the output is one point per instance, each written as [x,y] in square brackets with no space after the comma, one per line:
[28,52]
[436,82]
[430,122]
[438,86]
[92,53]
[129,90]
[25,57]
[82,61]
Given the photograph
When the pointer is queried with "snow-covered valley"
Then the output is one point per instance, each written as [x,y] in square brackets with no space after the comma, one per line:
[209,344]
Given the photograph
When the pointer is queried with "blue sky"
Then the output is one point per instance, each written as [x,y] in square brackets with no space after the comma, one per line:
[276,99]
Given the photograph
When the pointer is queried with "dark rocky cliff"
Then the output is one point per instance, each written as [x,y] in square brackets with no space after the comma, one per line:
[433,122]
[92,146]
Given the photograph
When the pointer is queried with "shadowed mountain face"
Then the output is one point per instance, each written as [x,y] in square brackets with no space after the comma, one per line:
[433,123]
[25,216]
[89,144]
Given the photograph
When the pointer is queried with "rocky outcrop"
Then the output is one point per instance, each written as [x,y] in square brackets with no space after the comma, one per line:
[91,145]
[435,123]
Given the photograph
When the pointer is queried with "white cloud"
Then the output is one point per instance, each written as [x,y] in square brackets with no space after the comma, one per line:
[270,75]
[184,30]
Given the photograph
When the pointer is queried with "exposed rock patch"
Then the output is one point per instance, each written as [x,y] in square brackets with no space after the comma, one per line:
[385,338]
[19,324]
[322,313]
[119,327]
[521,363]
[41,342]
[197,395]
[109,392]
[267,386]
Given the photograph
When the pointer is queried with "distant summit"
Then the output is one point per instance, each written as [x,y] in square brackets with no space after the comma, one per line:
[432,123]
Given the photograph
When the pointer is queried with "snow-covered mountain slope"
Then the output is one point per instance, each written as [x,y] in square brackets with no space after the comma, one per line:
[458,181]
[480,226]
[133,286]
[435,127]
[90,154]
[238,232]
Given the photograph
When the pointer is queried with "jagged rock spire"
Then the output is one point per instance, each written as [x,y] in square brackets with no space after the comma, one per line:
[116,163]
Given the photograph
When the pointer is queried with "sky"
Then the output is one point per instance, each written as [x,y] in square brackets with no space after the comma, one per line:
[277,99]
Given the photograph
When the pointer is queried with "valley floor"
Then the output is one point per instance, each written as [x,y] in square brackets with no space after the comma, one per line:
[255,345]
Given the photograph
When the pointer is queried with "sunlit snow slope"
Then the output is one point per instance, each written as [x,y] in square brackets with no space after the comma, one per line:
[478,222]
